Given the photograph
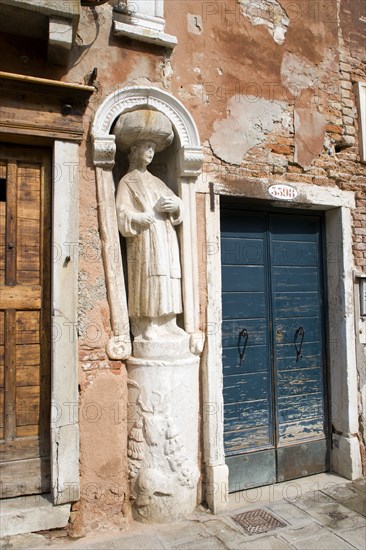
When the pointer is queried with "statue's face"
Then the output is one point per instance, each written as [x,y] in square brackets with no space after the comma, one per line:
[146,151]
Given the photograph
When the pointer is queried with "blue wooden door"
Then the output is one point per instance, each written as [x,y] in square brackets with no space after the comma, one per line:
[273,352]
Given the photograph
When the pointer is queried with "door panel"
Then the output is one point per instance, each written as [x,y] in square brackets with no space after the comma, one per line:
[247,382]
[274,394]
[295,266]
[24,320]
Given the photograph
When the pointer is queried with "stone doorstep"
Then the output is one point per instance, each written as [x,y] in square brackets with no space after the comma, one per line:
[288,491]
[359,485]
[30,514]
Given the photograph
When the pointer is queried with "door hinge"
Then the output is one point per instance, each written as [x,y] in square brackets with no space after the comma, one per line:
[212,197]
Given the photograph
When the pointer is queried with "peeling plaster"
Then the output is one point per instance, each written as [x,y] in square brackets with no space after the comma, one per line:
[297,73]
[88,294]
[166,72]
[248,122]
[309,135]
[268,13]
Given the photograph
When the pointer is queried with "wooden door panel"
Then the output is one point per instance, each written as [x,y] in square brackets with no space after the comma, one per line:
[296,275]
[27,327]
[25,320]
[273,398]
[18,477]
[21,297]
[247,382]
[28,375]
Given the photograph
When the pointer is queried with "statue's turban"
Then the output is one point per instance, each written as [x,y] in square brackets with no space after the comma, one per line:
[143,125]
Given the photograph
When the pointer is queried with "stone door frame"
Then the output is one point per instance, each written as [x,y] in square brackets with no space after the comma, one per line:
[337,205]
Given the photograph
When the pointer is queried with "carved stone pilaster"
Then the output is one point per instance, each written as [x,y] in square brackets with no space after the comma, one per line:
[104,151]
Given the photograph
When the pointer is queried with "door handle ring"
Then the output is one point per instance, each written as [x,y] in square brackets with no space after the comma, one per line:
[242,334]
[298,347]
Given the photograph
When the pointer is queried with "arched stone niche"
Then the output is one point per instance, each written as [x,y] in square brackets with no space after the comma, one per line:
[186,164]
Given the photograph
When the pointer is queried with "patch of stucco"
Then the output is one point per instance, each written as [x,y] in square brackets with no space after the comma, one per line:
[194,24]
[297,73]
[268,13]
[249,120]
[89,293]
[309,135]
[103,448]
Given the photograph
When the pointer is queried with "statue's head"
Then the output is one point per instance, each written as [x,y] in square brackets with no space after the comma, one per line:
[136,128]
[142,152]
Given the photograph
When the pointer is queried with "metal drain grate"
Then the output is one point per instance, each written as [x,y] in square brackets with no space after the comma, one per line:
[338,516]
[258,521]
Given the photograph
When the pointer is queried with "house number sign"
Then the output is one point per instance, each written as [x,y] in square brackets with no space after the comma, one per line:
[282,191]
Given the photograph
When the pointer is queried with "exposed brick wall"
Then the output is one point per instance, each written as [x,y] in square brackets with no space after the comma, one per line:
[331,93]
[352,57]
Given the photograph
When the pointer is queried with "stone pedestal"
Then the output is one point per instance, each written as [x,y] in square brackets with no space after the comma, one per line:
[163,435]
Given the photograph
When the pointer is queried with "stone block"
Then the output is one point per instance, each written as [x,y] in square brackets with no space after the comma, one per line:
[33,513]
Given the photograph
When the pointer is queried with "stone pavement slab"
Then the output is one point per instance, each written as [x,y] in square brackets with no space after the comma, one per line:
[136,542]
[265,543]
[351,495]
[325,541]
[210,543]
[357,537]
[329,513]
[315,512]
[302,532]
[288,512]
[174,535]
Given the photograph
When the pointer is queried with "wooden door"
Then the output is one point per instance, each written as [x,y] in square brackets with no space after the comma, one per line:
[275,420]
[25,239]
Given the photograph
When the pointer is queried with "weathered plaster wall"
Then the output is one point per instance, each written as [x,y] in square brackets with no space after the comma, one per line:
[272,95]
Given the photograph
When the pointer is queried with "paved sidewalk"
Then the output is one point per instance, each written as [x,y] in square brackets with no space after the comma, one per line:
[319,512]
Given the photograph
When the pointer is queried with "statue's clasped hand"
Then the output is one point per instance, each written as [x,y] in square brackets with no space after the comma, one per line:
[145,219]
[167,204]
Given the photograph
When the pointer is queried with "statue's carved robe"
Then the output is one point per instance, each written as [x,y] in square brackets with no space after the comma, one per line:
[154,273]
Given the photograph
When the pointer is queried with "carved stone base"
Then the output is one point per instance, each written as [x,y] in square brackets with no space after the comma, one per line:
[167,349]
[163,437]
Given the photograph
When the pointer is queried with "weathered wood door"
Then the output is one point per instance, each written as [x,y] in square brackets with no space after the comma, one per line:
[25,239]
[275,425]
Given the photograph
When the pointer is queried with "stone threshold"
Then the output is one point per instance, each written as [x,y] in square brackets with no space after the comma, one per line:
[31,513]
[286,490]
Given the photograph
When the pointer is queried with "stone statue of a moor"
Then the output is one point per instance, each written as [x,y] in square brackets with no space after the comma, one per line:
[163,373]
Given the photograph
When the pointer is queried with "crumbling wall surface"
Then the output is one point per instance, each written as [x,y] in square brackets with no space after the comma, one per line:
[265,108]
[103,419]
[352,48]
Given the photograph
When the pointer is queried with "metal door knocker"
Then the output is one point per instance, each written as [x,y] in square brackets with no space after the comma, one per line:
[242,334]
[299,332]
